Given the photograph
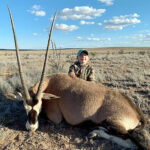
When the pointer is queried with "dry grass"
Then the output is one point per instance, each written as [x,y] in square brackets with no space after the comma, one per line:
[126,69]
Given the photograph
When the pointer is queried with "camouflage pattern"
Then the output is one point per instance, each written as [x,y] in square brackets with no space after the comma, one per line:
[85,72]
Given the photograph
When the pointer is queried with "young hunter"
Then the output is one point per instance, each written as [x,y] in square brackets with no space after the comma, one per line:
[81,68]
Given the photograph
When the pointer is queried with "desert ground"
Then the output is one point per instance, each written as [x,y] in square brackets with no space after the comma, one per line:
[126,69]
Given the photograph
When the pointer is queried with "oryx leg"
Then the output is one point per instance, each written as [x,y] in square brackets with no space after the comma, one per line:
[52,110]
[102,132]
[114,126]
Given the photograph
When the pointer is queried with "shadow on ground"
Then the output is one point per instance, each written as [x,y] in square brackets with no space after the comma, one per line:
[12,113]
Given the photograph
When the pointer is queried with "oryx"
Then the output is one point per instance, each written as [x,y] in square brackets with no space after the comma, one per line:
[77,101]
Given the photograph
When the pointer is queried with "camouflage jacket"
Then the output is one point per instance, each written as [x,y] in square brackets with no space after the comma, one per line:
[85,72]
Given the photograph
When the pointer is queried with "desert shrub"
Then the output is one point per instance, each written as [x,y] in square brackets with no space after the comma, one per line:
[5,87]
[141,53]
[71,58]
[57,63]
[147,72]
[93,54]
[32,77]
[106,57]
[7,67]
[57,66]
[99,77]
[121,51]
[15,83]
[3,66]
[138,78]
[12,67]
[32,73]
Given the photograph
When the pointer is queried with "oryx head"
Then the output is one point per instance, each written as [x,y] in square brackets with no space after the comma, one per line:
[32,104]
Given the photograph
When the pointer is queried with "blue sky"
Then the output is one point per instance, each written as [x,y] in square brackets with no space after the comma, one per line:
[79,23]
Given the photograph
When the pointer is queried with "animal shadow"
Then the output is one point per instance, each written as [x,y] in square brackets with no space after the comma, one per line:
[12,113]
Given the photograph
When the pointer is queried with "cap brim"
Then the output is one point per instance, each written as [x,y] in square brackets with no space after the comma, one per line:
[83,51]
[86,52]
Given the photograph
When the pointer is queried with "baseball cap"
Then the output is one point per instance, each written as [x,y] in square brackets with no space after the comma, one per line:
[82,51]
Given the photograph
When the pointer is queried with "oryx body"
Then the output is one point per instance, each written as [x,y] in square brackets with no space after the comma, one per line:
[81,100]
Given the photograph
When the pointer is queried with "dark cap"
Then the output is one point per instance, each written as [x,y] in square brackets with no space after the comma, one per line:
[82,51]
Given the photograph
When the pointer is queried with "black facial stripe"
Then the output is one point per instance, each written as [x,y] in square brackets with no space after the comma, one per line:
[32,117]
[32,103]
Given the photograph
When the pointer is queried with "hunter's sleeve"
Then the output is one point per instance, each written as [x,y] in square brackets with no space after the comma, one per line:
[71,70]
[91,76]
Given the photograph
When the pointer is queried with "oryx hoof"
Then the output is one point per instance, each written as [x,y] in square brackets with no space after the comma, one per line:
[91,135]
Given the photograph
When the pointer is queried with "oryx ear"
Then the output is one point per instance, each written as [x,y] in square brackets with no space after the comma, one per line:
[49,96]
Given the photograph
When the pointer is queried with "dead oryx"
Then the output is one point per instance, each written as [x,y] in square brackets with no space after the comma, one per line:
[77,101]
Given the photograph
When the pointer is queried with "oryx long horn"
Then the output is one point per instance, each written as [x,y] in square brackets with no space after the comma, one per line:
[45,62]
[18,59]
